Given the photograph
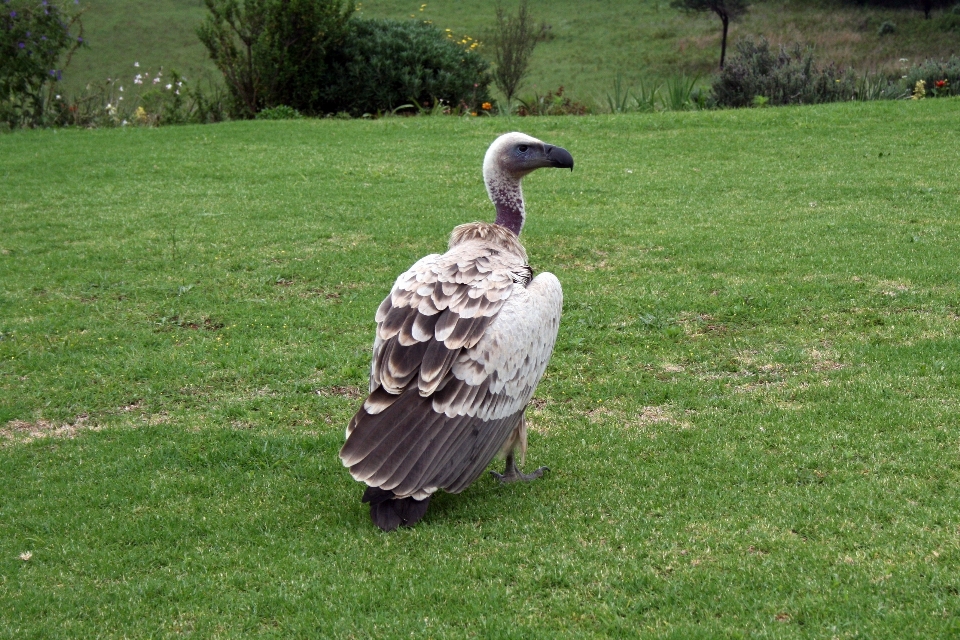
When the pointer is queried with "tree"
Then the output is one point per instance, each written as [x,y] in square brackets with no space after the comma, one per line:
[726,10]
[272,52]
[513,40]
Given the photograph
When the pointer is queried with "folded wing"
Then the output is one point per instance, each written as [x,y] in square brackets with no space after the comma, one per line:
[462,341]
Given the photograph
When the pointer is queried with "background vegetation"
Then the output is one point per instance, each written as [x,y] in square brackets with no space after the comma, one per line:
[585,50]
[751,414]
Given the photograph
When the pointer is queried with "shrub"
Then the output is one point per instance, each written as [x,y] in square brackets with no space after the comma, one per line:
[886,29]
[271,52]
[37,39]
[385,64]
[941,78]
[282,112]
[789,77]
[551,104]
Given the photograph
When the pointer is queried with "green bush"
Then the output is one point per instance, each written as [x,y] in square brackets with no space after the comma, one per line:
[272,52]
[36,39]
[551,104]
[281,112]
[787,77]
[384,64]
[941,78]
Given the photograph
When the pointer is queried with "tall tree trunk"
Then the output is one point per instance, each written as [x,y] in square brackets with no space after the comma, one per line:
[723,44]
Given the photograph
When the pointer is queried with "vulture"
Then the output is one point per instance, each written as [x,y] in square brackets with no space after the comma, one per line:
[462,340]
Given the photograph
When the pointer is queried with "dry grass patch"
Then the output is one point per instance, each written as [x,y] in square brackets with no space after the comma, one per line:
[21,431]
[341,391]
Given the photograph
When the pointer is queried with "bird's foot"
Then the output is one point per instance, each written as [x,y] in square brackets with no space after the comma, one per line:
[514,475]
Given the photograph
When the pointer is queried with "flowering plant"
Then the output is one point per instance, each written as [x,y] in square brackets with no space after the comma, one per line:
[919,90]
[144,98]
[37,39]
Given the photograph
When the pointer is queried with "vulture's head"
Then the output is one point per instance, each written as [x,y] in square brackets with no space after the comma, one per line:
[514,155]
[509,158]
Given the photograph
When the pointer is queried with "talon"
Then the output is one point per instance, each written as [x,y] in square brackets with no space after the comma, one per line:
[514,475]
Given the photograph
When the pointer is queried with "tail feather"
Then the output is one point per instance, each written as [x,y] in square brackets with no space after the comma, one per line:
[389,512]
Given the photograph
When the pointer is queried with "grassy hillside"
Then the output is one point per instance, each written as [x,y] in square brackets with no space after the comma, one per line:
[155,34]
[751,414]
[590,43]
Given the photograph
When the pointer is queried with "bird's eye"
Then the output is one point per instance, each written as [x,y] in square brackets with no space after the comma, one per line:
[522,148]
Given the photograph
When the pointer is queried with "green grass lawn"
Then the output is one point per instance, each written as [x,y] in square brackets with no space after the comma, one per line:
[590,44]
[751,414]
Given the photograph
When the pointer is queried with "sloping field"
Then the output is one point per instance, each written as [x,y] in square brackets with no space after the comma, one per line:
[588,45]
[751,414]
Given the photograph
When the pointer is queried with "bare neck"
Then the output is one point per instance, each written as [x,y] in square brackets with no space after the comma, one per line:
[507,197]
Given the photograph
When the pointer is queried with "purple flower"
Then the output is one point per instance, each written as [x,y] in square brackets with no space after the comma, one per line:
[79,39]
[21,45]
[13,14]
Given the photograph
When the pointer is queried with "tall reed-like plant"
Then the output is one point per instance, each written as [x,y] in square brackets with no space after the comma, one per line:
[678,92]
[620,101]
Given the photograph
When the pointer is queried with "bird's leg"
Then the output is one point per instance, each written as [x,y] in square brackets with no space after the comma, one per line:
[513,474]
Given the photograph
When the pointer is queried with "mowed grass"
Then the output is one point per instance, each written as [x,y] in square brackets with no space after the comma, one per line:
[589,46]
[751,415]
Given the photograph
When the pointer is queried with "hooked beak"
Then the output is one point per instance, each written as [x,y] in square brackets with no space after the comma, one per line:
[558,157]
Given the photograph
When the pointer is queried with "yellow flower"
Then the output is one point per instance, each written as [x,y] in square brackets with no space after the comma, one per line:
[486,106]
[920,90]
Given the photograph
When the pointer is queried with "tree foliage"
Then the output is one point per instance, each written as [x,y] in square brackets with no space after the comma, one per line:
[37,39]
[726,10]
[272,52]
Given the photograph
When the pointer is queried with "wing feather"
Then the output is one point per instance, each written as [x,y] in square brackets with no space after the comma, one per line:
[460,347]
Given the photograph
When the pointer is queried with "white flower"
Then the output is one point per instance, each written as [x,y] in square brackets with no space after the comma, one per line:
[136,64]
[124,123]
[120,98]
[121,89]
[177,92]
[58,96]
[169,86]
[156,80]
